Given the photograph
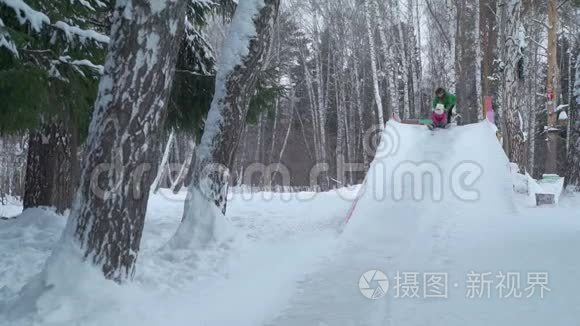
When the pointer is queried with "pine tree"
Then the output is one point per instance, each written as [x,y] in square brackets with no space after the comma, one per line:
[50,55]
[194,80]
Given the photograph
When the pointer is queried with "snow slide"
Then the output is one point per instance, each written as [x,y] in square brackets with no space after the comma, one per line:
[442,202]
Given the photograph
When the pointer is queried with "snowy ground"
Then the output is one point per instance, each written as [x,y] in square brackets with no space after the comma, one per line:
[251,278]
[10,208]
[293,263]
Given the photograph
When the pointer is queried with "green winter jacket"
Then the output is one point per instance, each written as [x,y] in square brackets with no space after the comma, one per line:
[449,102]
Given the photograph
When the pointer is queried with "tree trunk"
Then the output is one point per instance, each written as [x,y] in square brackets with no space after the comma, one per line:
[415,58]
[405,62]
[163,171]
[467,45]
[359,110]
[51,167]
[274,131]
[324,176]
[185,170]
[340,128]
[574,174]
[287,136]
[452,61]
[313,109]
[107,219]
[388,62]
[37,186]
[236,81]
[478,59]
[489,42]
[553,133]
[533,113]
[512,127]
[377,90]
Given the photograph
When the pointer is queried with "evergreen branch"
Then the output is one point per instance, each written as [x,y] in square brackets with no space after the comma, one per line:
[81,33]
[36,51]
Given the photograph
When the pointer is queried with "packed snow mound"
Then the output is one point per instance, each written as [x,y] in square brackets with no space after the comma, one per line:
[417,170]
[463,220]
[281,236]
[26,242]
[39,218]
[10,207]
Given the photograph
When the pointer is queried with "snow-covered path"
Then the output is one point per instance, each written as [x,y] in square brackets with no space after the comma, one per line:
[295,263]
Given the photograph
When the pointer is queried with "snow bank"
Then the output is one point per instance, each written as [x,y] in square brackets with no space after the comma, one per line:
[528,186]
[205,223]
[553,185]
[25,243]
[54,298]
[28,296]
[279,240]
[11,207]
[520,180]
[35,218]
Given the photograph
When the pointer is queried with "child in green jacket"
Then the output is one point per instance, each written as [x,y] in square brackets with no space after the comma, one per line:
[448,101]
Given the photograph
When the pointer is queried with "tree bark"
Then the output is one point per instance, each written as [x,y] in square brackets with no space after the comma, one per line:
[163,171]
[511,54]
[401,46]
[51,168]
[378,100]
[552,78]
[415,58]
[478,59]
[37,186]
[185,171]
[489,43]
[107,218]
[207,197]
